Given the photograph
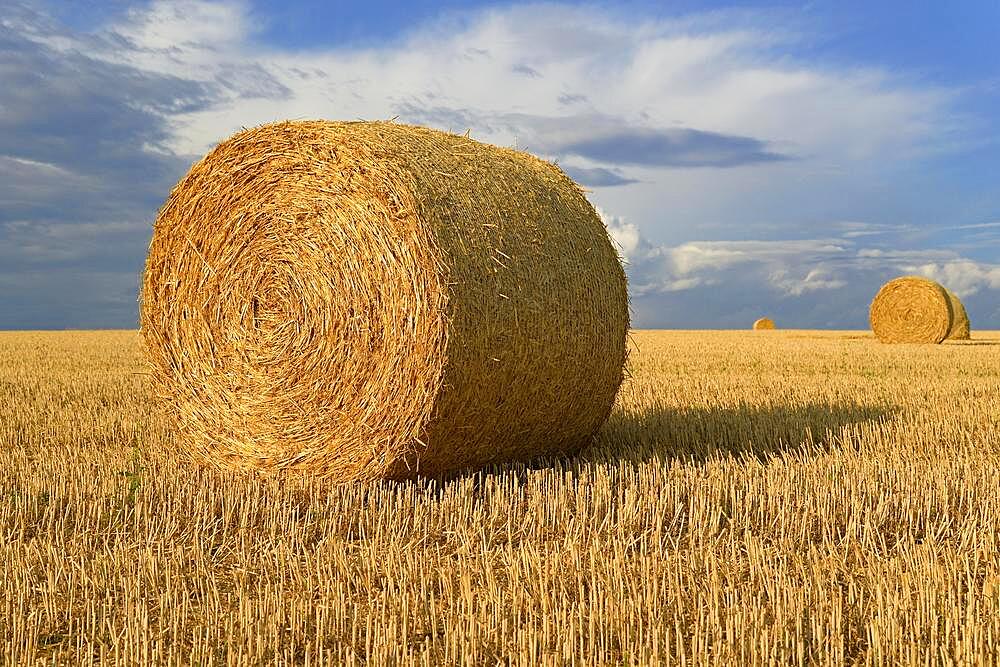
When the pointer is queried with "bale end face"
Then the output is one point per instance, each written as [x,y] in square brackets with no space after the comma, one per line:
[763,324]
[911,309]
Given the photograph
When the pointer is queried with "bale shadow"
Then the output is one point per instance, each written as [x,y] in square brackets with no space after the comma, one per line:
[696,435]
[701,433]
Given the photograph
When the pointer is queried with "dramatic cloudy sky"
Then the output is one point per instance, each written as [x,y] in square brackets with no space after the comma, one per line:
[784,158]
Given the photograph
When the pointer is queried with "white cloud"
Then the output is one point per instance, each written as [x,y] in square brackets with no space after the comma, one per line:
[962,276]
[175,36]
[814,280]
[679,284]
[903,258]
[982,225]
[852,230]
[792,267]
[718,254]
[692,257]
[625,235]
[789,268]
[21,178]
[40,168]
[730,79]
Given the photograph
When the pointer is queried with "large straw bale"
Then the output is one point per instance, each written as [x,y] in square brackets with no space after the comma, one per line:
[911,309]
[373,300]
[960,329]
[764,323]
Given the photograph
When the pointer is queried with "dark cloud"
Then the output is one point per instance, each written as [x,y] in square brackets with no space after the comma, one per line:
[251,81]
[606,139]
[670,148]
[86,116]
[83,169]
[616,141]
[445,118]
[596,176]
[567,99]
[526,71]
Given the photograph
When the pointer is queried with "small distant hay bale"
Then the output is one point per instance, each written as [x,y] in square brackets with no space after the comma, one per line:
[764,323]
[960,329]
[371,300]
[911,309]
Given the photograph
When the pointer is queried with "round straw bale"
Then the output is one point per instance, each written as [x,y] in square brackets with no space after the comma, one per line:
[960,329]
[764,323]
[911,309]
[372,300]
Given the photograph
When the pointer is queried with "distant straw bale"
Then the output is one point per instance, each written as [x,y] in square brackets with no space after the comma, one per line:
[372,300]
[763,324]
[911,309]
[960,329]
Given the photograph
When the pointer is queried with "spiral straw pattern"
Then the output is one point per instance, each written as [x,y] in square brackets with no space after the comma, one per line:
[911,309]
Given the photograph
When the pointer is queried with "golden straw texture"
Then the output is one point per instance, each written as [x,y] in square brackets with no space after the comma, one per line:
[960,328]
[372,300]
[911,309]
[763,323]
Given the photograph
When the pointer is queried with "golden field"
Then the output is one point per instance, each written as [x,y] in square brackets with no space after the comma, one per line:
[766,497]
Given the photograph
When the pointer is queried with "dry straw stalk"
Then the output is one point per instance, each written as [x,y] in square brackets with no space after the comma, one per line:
[764,323]
[911,309]
[367,300]
[960,328]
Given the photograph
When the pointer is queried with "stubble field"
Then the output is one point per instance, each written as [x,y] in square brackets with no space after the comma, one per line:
[755,498]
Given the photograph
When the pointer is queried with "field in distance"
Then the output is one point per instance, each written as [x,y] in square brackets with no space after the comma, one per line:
[755,498]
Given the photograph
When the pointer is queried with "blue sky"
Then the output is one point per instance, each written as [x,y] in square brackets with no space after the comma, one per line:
[749,158]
